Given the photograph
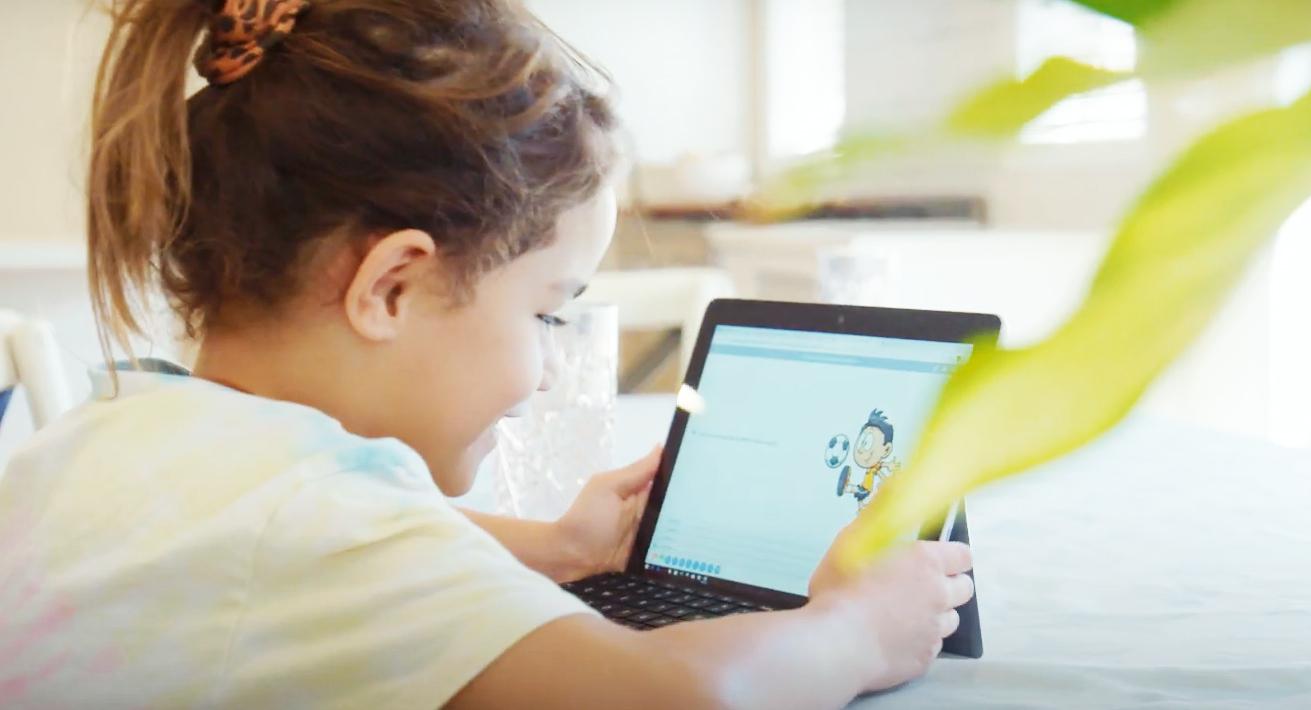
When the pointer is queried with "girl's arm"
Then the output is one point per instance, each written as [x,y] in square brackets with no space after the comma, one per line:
[857,634]
[538,545]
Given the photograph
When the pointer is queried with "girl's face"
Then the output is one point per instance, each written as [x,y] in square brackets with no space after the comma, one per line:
[462,369]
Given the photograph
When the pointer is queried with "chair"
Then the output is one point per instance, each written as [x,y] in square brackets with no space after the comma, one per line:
[29,356]
[5,396]
[667,299]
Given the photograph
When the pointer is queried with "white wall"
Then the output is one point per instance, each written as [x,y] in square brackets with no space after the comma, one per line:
[802,77]
[909,60]
[681,66]
[48,59]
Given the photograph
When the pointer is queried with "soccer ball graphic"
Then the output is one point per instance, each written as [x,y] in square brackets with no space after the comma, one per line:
[838,448]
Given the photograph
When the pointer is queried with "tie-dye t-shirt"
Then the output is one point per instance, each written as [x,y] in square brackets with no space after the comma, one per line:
[185,544]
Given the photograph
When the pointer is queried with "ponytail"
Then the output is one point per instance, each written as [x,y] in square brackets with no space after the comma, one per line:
[140,176]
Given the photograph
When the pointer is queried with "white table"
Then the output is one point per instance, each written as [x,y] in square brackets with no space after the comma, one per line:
[1162,567]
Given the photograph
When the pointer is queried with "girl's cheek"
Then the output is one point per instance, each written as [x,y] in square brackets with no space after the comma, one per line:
[527,371]
[545,364]
[550,368]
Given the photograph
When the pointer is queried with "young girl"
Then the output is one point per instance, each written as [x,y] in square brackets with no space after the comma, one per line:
[368,214]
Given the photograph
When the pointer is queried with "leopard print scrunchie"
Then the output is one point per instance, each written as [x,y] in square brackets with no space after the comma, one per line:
[241,32]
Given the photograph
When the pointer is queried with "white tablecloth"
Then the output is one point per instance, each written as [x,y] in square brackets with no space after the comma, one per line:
[1162,567]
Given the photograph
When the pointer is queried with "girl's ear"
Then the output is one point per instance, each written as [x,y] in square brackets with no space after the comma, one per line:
[389,282]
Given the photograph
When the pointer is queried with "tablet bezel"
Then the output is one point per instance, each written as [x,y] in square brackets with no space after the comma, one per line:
[940,326]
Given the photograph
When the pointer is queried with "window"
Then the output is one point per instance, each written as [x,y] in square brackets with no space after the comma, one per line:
[1290,292]
[1047,28]
[805,90]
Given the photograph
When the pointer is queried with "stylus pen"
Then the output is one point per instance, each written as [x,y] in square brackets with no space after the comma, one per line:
[949,523]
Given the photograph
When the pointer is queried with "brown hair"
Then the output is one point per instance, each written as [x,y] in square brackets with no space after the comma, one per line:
[467,119]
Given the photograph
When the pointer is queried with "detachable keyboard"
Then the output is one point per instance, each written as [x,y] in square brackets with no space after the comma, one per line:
[642,603]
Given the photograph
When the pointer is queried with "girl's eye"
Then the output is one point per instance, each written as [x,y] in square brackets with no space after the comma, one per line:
[551,321]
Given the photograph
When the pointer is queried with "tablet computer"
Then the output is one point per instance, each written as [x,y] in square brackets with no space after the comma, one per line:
[791,418]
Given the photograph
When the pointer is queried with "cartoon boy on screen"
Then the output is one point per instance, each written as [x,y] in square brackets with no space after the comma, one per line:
[873,453]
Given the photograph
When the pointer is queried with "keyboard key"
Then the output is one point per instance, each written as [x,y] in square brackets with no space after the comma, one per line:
[642,603]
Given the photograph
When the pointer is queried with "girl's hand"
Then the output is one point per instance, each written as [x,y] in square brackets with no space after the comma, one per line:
[598,529]
[902,607]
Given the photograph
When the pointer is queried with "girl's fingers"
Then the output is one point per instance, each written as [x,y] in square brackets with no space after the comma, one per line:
[948,622]
[637,476]
[959,589]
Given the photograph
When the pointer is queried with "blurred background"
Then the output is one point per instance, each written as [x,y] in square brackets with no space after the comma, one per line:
[717,95]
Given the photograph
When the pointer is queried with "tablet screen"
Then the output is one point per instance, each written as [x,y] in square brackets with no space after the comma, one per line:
[797,432]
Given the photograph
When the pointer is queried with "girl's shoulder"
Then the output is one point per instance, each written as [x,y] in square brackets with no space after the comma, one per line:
[162,430]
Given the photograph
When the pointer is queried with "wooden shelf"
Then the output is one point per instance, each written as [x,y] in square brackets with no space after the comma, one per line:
[962,208]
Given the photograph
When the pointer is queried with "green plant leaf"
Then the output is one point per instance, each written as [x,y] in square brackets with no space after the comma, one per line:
[1002,109]
[1199,35]
[1191,36]
[1175,258]
[1135,12]
[1181,37]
